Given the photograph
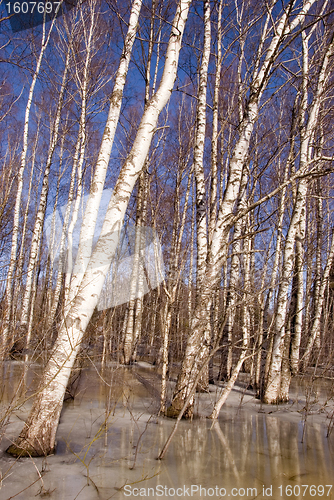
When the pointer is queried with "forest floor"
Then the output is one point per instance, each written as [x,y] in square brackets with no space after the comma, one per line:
[110,436]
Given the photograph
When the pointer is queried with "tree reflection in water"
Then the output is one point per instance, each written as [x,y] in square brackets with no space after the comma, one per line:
[245,448]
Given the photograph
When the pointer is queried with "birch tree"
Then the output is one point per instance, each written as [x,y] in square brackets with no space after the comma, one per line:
[201,203]
[27,302]
[273,392]
[196,345]
[135,307]
[16,218]
[96,189]
[319,306]
[39,432]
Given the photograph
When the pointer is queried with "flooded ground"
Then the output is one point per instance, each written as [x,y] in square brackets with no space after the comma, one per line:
[109,438]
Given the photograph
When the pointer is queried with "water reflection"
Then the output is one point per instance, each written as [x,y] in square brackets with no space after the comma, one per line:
[107,433]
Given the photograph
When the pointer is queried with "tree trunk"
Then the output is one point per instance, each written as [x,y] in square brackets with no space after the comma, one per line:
[297,313]
[229,386]
[16,220]
[38,435]
[319,306]
[273,386]
[273,383]
[27,301]
[97,185]
[197,345]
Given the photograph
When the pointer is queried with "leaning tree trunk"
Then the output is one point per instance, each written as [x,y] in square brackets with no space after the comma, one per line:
[91,212]
[229,386]
[97,185]
[39,432]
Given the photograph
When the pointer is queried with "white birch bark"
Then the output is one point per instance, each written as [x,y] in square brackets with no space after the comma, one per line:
[284,389]
[213,202]
[319,306]
[201,197]
[62,243]
[272,392]
[16,218]
[309,272]
[274,275]
[79,153]
[273,387]
[129,338]
[191,260]
[297,320]
[38,435]
[298,316]
[20,262]
[196,345]
[319,225]
[232,296]
[39,221]
[260,336]
[246,316]
[229,386]
[172,283]
[135,307]
[201,224]
[96,189]
[214,140]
